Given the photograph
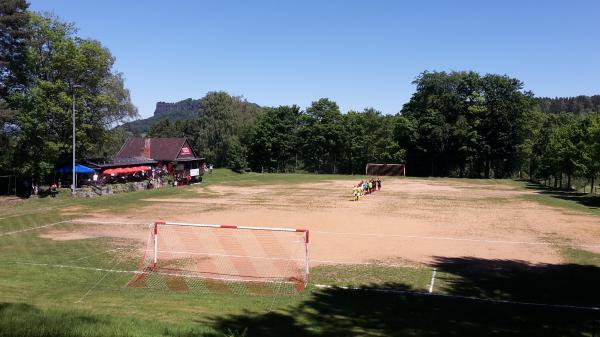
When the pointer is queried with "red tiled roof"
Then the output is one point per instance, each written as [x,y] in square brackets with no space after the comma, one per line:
[167,149]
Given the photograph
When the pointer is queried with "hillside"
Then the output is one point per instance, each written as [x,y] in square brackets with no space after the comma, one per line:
[182,110]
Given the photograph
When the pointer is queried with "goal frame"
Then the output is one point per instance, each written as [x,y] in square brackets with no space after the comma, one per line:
[9,178]
[386,164]
[156,233]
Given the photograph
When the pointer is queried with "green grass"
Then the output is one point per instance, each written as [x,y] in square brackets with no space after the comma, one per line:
[564,204]
[256,179]
[359,275]
[565,200]
[27,320]
[580,256]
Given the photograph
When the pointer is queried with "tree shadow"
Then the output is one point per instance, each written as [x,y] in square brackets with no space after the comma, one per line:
[585,199]
[371,311]
[562,284]
[21,319]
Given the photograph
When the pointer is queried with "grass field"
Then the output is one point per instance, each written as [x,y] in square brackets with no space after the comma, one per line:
[525,263]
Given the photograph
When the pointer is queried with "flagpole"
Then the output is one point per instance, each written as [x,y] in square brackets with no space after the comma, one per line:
[74,184]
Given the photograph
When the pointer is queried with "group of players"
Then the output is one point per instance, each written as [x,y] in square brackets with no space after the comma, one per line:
[365,187]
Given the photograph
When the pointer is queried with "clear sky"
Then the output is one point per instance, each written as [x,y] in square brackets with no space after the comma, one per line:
[358,53]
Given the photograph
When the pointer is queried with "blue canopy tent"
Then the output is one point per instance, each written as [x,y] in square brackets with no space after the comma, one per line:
[78,169]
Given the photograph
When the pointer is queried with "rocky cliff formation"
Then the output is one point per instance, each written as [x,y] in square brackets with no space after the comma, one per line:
[187,105]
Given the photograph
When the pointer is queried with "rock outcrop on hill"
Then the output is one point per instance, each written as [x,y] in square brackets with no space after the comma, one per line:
[185,106]
[182,110]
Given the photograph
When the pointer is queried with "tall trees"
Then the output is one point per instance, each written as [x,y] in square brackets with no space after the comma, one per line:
[273,139]
[505,123]
[61,70]
[321,139]
[466,124]
[567,146]
[222,125]
[14,34]
[444,112]
[166,128]
[593,148]
[368,138]
[321,135]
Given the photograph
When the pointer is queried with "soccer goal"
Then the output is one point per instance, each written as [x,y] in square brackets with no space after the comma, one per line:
[385,169]
[8,185]
[224,258]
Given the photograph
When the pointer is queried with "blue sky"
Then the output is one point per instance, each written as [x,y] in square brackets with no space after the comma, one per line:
[358,53]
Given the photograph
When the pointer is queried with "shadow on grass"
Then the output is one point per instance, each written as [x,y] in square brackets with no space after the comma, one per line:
[561,284]
[367,311]
[591,201]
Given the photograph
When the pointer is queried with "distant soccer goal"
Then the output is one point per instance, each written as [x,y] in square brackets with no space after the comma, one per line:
[224,258]
[8,185]
[385,169]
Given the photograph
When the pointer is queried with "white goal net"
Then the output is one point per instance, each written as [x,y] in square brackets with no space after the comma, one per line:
[224,258]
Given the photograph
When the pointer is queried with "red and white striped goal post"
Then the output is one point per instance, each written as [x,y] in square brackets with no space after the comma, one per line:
[274,229]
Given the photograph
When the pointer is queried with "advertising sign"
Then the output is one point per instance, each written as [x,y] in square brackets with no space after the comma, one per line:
[185,151]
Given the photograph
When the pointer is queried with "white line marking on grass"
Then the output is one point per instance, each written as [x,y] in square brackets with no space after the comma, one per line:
[106,251]
[29,212]
[449,238]
[78,267]
[99,281]
[432,280]
[470,298]
[360,263]
[108,222]
[92,288]
[33,228]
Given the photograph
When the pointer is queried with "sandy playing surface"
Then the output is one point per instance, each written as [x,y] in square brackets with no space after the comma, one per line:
[410,221]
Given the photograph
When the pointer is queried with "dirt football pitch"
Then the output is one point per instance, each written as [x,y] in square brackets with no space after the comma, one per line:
[409,222]
[456,256]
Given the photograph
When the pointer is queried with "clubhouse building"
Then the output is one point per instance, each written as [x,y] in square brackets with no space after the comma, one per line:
[168,156]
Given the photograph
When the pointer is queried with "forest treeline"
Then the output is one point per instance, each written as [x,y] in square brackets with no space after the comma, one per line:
[577,105]
[459,124]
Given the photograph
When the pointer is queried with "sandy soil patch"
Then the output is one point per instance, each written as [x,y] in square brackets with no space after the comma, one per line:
[133,232]
[63,235]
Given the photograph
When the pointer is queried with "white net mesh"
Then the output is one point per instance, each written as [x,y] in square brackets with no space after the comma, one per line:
[207,259]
